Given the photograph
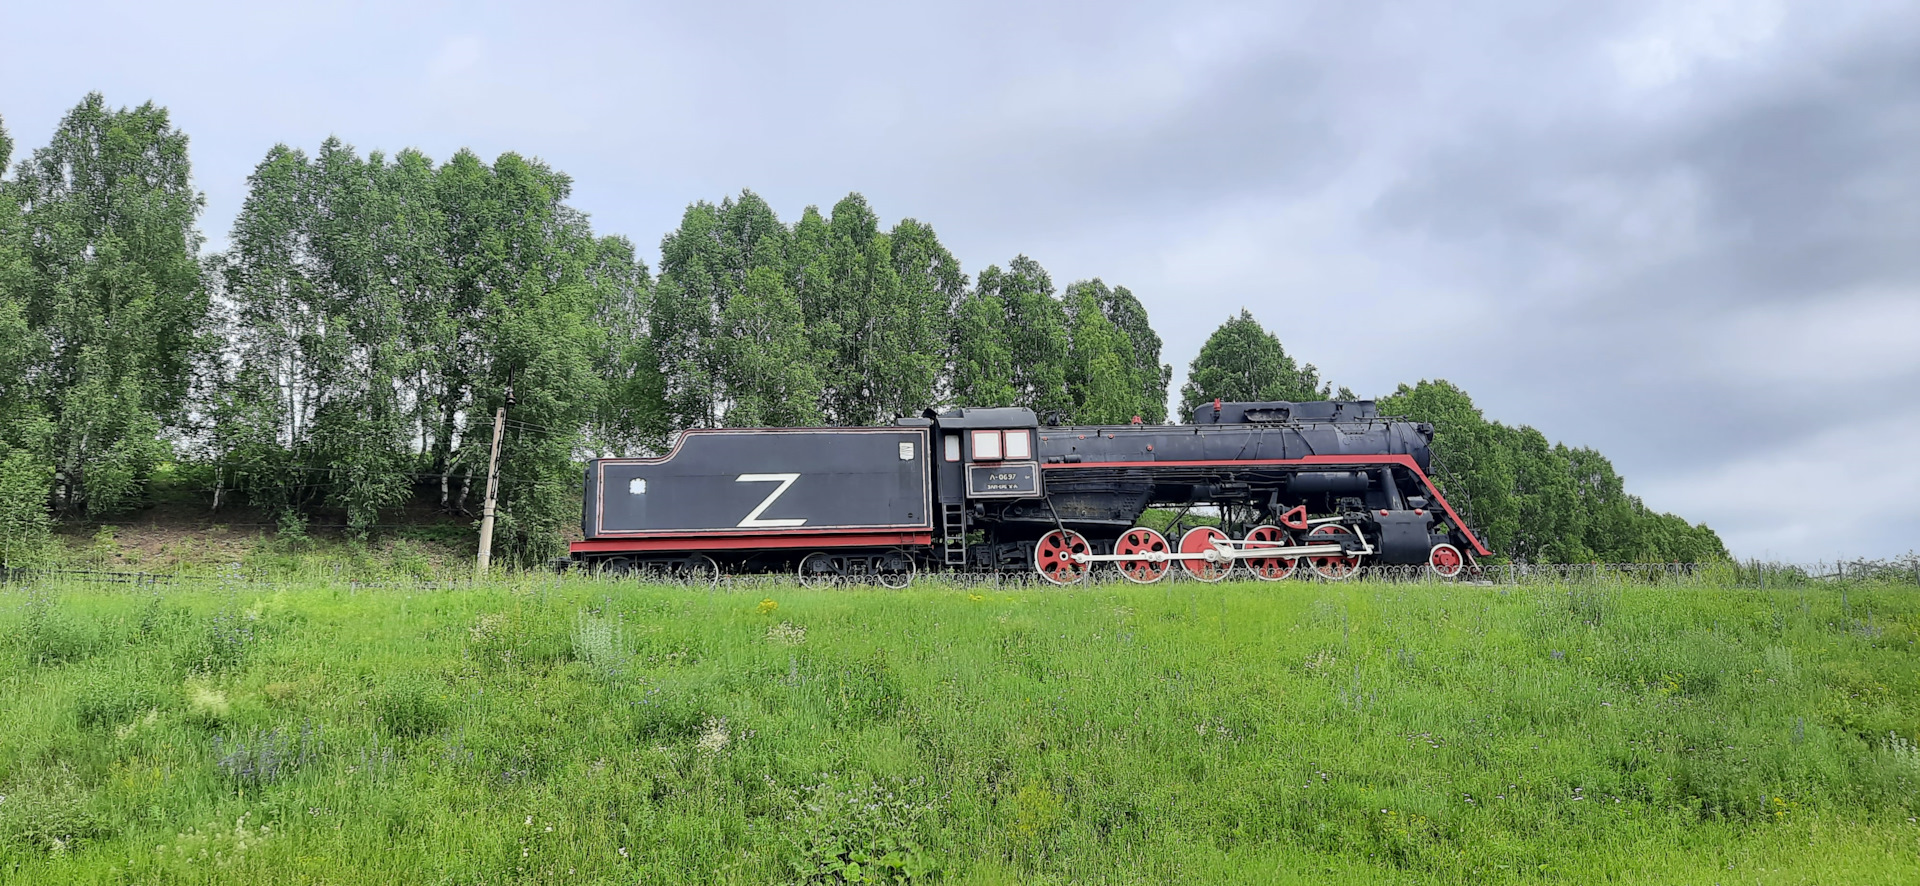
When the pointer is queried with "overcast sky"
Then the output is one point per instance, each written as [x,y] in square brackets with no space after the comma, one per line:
[1685,234]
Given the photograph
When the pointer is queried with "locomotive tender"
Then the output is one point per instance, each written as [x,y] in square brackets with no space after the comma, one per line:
[1328,486]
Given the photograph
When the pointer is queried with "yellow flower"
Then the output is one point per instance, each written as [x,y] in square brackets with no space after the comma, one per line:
[767,606]
[975,597]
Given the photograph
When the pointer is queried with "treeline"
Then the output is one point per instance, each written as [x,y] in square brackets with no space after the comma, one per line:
[343,357]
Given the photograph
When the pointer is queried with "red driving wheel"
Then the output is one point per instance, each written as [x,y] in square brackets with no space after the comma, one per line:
[1053,556]
[1445,560]
[1199,540]
[1269,568]
[1332,567]
[1136,544]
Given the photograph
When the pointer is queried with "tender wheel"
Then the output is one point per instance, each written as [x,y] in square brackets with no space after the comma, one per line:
[1199,540]
[1270,568]
[894,569]
[617,567]
[1445,560]
[697,570]
[1053,556]
[1137,543]
[1333,567]
[818,570]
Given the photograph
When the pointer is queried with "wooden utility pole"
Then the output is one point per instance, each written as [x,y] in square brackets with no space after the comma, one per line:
[493,483]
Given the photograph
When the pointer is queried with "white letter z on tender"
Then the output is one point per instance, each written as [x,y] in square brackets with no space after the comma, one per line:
[753,519]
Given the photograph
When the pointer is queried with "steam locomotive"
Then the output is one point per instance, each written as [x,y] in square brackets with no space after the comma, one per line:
[1271,488]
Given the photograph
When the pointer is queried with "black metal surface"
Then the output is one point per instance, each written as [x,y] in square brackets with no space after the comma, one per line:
[766,480]
[1237,442]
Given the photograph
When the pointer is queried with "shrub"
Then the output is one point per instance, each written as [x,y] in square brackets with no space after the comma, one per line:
[49,810]
[52,636]
[106,700]
[410,707]
[221,642]
[668,712]
[864,691]
[858,833]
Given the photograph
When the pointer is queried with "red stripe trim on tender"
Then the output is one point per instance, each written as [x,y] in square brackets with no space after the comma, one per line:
[1405,461]
[750,542]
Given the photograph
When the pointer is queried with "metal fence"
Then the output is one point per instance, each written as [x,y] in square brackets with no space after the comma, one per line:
[1752,574]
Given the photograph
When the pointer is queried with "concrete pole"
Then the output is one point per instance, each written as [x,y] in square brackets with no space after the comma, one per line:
[493,487]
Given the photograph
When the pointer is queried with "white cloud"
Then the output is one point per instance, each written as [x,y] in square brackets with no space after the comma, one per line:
[1680,36]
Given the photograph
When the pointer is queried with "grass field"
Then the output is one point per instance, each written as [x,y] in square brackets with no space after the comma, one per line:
[548,730]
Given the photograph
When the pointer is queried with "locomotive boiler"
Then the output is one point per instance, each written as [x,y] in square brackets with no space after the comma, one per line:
[1271,488]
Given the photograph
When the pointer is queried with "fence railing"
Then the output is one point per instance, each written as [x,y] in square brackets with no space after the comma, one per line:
[1752,574]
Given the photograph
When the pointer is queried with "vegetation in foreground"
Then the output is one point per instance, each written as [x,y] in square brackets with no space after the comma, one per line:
[550,730]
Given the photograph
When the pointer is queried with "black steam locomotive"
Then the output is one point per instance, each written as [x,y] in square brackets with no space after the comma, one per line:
[1324,486]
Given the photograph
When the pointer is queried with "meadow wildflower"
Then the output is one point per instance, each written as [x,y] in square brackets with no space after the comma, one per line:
[713,736]
[767,606]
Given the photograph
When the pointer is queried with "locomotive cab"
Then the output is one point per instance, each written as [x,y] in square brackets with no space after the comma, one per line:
[986,454]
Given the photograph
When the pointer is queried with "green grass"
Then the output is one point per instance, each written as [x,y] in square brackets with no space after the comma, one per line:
[548,730]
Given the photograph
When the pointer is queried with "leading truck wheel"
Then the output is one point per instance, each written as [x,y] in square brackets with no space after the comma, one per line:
[1269,568]
[1445,560]
[1053,556]
[1199,540]
[1134,545]
[1332,568]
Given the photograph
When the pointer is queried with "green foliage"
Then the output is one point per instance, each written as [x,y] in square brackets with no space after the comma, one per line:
[768,367]
[1141,347]
[26,473]
[107,699]
[982,354]
[704,265]
[1243,361]
[50,634]
[383,309]
[49,811]
[24,521]
[1100,362]
[670,708]
[410,707]
[859,833]
[1036,334]
[113,294]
